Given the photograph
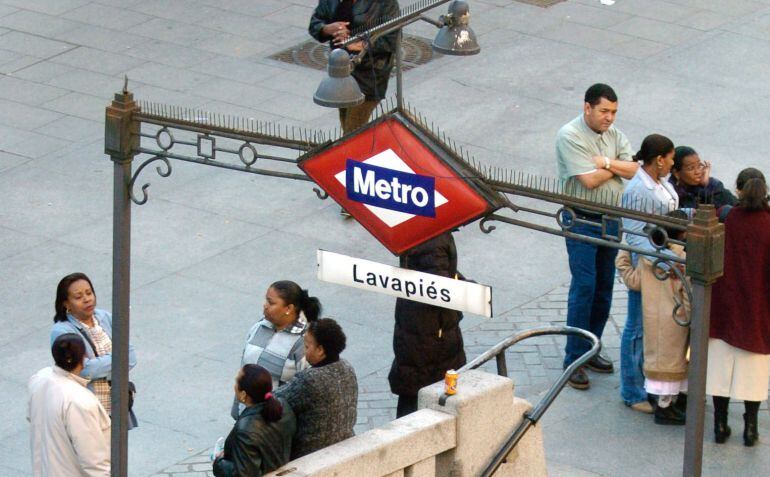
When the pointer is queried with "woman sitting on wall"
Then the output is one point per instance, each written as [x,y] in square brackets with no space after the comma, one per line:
[260,441]
[324,397]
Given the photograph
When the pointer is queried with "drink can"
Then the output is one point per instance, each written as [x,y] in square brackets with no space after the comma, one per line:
[450,382]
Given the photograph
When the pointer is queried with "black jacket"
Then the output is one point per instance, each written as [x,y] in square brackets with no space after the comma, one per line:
[255,447]
[426,339]
[373,72]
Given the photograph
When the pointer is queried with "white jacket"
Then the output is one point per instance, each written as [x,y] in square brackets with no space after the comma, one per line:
[70,433]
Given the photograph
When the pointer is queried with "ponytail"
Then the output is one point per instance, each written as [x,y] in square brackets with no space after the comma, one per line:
[272,411]
[311,307]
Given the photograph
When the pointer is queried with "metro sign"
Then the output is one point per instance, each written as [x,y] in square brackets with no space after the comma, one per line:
[403,185]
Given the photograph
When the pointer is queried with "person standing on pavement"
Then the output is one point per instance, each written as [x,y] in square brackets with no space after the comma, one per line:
[333,21]
[427,341]
[76,312]
[693,182]
[662,356]
[592,157]
[739,337]
[275,342]
[70,430]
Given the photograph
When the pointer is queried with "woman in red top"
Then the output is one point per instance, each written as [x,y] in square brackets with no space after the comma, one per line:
[739,344]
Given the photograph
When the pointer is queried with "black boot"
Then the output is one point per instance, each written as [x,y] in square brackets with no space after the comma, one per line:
[721,429]
[668,416]
[681,403]
[750,432]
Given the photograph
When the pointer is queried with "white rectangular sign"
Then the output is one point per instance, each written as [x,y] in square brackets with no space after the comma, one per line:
[402,283]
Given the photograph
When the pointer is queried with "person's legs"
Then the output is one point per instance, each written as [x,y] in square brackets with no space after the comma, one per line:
[632,353]
[357,116]
[750,432]
[605,281]
[582,266]
[406,405]
[721,429]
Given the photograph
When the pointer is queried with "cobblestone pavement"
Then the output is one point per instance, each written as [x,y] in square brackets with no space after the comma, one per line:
[533,365]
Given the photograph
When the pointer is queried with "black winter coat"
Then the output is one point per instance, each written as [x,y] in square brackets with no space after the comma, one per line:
[426,339]
[255,447]
[373,72]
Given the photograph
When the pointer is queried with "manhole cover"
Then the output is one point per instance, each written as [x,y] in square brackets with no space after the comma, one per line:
[540,3]
[415,51]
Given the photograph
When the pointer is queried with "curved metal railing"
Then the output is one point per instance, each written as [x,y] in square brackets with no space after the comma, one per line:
[532,416]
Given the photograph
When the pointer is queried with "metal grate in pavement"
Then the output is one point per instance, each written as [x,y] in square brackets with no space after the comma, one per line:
[415,51]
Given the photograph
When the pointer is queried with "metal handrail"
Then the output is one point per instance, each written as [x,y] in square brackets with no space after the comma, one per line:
[532,416]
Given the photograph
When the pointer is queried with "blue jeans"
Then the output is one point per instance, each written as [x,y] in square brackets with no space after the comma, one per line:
[632,353]
[590,291]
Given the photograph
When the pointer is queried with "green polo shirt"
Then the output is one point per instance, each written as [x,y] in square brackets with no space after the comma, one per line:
[576,144]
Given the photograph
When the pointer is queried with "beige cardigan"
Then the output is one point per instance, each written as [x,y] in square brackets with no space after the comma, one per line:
[665,342]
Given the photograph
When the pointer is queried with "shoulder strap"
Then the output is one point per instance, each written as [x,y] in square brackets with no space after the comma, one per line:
[88,340]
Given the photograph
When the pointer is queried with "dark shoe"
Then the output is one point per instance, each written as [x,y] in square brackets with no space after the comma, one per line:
[750,433]
[345,214]
[599,364]
[579,379]
[681,403]
[721,430]
[668,416]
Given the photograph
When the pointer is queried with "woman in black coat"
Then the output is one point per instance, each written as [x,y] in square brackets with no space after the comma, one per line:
[426,339]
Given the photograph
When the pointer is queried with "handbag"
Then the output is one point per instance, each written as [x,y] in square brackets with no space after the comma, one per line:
[131,386]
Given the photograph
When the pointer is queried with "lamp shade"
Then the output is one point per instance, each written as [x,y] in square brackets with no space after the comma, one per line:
[339,89]
[456,37]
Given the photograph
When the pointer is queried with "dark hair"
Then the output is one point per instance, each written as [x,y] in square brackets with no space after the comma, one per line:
[329,334]
[653,146]
[293,294]
[596,92]
[68,351]
[751,183]
[258,384]
[62,293]
[679,154]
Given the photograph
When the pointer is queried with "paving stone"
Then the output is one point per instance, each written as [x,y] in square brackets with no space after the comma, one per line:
[98,61]
[34,45]
[37,23]
[107,16]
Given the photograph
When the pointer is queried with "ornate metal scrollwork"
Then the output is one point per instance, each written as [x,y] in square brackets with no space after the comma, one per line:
[487,229]
[321,194]
[565,217]
[139,170]
[662,269]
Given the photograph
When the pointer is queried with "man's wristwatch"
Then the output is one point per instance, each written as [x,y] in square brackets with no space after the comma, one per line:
[607,164]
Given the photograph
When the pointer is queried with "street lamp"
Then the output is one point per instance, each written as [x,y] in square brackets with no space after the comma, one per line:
[339,89]
[455,37]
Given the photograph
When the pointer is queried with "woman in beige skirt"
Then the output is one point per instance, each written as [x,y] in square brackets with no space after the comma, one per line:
[739,344]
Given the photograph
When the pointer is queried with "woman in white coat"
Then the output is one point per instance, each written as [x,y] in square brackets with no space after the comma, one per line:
[70,434]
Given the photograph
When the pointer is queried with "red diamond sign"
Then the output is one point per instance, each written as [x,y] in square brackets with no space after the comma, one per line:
[401,183]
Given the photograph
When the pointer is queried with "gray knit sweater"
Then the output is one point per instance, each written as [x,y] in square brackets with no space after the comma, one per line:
[324,400]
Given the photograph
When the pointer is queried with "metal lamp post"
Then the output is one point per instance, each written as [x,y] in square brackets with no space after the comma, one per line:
[455,37]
